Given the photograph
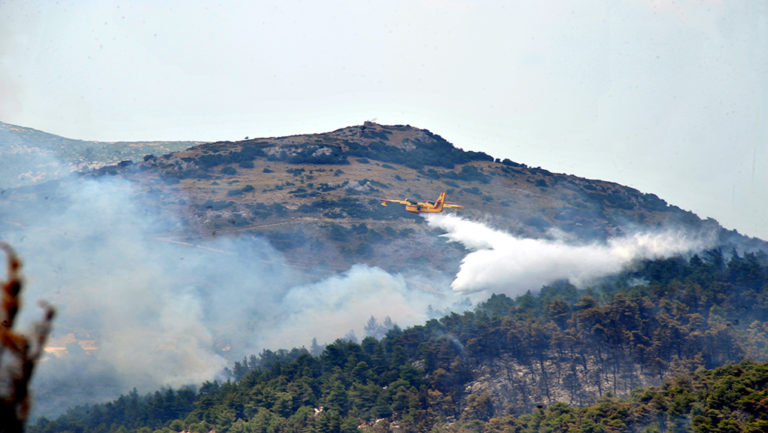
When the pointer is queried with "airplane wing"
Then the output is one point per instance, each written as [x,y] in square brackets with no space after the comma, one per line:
[384,201]
[452,206]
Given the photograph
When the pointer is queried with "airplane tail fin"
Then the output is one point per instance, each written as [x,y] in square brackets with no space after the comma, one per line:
[439,203]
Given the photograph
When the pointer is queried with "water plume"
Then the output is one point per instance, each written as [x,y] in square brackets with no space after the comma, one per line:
[505,263]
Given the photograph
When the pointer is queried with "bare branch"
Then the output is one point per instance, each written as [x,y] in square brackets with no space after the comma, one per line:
[24,351]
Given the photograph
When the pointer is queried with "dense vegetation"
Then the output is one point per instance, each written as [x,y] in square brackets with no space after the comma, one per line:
[562,346]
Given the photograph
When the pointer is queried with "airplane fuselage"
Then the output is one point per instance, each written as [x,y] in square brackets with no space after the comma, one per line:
[424,207]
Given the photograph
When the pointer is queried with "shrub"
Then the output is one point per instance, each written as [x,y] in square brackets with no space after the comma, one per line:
[240,191]
[511,163]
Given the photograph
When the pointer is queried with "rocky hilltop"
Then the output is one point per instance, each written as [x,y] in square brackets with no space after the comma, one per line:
[322,191]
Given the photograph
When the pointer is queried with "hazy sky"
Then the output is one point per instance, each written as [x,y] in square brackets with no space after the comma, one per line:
[667,97]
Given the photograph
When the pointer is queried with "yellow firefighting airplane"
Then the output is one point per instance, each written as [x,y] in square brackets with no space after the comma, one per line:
[424,207]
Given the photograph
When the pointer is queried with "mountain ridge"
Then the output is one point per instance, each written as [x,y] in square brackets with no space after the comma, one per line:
[322,190]
[329,180]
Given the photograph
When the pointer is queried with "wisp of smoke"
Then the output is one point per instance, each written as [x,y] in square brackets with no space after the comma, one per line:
[504,263]
[346,301]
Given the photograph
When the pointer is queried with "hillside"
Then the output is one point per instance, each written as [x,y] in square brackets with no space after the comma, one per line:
[321,191]
[727,399]
[537,360]
[29,156]
[186,231]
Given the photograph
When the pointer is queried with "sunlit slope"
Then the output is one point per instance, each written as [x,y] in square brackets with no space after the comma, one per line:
[318,193]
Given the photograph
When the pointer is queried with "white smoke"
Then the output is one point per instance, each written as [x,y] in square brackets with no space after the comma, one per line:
[346,301]
[512,265]
[140,307]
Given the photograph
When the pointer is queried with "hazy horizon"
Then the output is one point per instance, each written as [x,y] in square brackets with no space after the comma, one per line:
[666,97]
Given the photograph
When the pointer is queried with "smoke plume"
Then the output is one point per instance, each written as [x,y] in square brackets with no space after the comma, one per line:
[141,307]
